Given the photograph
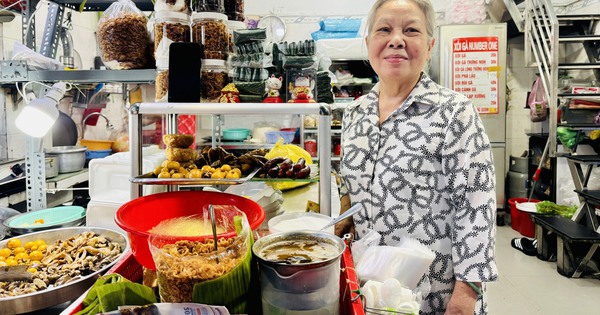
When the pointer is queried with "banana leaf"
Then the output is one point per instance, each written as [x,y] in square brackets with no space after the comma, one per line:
[113,295]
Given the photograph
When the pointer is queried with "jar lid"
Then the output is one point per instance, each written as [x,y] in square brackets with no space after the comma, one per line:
[212,63]
[236,25]
[209,15]
[161,15]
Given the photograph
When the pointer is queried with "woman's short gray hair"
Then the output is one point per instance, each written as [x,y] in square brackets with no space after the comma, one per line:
[425,6]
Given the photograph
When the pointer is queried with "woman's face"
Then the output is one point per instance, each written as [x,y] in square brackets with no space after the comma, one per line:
[398,43]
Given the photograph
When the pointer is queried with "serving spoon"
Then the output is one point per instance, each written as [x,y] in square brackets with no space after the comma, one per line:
[214,228]
[351,211]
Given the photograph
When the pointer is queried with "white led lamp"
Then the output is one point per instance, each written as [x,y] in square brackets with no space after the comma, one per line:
[39,116]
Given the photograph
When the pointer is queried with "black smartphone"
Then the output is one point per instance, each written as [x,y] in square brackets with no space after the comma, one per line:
[184,72]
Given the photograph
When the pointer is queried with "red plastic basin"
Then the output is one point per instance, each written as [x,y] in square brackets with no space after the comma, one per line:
[138,216]
[520,220]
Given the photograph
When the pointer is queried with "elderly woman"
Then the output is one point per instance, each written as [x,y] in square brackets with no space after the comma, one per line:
[416,156]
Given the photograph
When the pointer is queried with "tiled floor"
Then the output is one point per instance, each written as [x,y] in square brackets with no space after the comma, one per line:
[530,286]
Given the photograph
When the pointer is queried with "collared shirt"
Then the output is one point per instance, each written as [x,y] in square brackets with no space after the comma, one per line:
[426,173]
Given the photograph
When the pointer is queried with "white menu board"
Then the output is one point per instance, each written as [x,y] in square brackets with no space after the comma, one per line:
[475,71]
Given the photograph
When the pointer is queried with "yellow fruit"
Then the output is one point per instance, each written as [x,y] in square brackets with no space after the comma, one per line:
[11,262]
[164,175]
[36,255]
[18,250]
[173,165]
[5,252]
[29,245]
[2,258]
[31,270]
[157,170]
[232,175]
[216,175]
[178,175]
[206,168]
[238,171]
[225,168]
[13,243]
[42,248]
[165,163]
[195,173]
[21,256]
[40,242]
[291,151]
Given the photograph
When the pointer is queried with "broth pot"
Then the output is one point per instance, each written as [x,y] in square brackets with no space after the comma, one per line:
[299,272]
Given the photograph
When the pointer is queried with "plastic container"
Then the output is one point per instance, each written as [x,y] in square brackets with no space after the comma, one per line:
[299,221]
[172,25]
[138,216]
[97,154]
[273,136]
[236,134]
[52,218]
[162,79]
[214,78]
[210,30]
[95,145]
[521,220]
[232,26]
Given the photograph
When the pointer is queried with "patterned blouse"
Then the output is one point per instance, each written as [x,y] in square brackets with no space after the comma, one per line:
[426,173]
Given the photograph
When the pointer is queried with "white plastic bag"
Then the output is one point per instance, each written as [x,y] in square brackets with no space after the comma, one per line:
[35,61]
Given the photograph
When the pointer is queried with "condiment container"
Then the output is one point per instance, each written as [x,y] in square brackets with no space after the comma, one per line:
[210,30]
[234,9]
[162,79]
[172,25]
[213,76]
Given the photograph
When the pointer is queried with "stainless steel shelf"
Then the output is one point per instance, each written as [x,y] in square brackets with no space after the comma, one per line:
[311,131]
[11,72]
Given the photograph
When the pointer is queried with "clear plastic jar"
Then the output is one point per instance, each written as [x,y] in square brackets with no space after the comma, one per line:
[210,30]
[213,78]
[172,25]
[209,6]
[161,84]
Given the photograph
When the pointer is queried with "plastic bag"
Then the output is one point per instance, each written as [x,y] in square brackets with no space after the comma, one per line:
[123,38]
[567,137]
[537,101]
[35,61]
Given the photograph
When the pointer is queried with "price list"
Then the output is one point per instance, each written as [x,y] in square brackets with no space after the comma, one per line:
[475,71]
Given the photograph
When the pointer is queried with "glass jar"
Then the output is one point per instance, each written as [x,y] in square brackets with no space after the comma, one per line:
[213,77]
[210,30]
[234,9]
[161,84]
[209,6]
[172,25]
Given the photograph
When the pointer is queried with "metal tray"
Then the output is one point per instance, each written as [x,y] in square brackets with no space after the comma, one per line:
[67,292]
[149,179]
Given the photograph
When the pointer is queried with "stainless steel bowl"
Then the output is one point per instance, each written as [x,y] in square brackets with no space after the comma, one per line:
[70,158]
[51,166]
[67,292]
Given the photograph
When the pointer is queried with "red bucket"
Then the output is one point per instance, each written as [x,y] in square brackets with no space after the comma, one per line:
[138,216]
[521,221]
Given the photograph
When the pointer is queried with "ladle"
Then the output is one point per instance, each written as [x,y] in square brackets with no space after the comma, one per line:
[211,210]
[351,211]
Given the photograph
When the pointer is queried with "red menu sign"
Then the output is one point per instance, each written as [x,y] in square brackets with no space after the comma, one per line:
[475,71]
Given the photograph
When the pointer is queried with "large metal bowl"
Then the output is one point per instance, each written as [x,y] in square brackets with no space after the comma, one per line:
[70,158]
[67,292]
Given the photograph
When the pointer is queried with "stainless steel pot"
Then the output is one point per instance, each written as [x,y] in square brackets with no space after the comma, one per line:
[70,158]
[299,286]
[51,166]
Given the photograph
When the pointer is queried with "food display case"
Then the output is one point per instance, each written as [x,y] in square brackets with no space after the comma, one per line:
[218,110]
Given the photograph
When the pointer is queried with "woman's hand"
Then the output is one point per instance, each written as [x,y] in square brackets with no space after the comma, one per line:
[462,301]
[347,225]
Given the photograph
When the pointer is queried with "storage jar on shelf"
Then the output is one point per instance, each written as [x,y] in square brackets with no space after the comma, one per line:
[172,25]
[162,79]
[209,6]
[234,9]
[214,78]
[210,30]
